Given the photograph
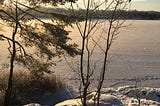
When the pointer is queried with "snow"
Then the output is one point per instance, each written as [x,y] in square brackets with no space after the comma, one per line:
[134,55]
[122,96]
[106,100]
[74,102]
[32,104]
[144,92]
[148,96]
[138,56]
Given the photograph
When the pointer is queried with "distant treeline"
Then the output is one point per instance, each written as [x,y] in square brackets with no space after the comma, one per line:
[122,14]
[102,14]
[132,14]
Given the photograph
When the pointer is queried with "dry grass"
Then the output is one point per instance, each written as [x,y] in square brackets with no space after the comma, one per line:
[1,98]
[27,89]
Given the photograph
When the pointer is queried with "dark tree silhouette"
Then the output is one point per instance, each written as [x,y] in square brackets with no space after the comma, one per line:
[48,39]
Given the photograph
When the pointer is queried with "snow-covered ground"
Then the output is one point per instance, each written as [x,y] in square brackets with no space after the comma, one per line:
[135,57]
[135,54]
[122,96]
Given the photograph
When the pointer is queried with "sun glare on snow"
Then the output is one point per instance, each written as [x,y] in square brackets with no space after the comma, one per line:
[20,1]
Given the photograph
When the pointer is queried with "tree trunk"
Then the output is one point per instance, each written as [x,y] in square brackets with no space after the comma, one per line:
[13,54]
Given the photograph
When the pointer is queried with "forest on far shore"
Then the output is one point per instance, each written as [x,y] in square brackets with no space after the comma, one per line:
[103,14]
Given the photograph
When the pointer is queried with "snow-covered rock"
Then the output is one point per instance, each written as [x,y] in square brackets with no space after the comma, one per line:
[143,92]
[106,100]
[108,90]
[146,95]
[153,95]
[32,104]
[122,96]
[143,102]
[72,102]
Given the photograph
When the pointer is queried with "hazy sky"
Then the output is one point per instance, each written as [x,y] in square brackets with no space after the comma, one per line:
[144,5]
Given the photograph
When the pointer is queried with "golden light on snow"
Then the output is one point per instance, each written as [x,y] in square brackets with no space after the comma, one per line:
[20,1]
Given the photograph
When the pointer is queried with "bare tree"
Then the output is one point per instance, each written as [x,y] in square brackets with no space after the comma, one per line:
[109,33]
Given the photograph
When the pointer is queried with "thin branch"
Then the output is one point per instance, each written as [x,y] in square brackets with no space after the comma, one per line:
[10,17]
[9,39]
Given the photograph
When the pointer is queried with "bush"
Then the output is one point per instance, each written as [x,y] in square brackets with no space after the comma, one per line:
[26,88]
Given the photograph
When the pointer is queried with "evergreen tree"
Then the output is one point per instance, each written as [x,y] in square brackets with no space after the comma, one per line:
[46,39]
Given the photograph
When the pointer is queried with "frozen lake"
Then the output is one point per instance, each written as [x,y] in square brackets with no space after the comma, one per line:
[134,54]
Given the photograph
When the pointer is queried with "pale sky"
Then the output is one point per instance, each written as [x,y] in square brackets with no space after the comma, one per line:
[146,5]
[142,5]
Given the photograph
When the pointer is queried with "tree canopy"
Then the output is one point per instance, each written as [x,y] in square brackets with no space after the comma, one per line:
[49,39]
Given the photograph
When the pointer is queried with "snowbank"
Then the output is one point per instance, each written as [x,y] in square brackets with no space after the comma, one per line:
[106,100]
[130,95]
[122,96]
[32,104]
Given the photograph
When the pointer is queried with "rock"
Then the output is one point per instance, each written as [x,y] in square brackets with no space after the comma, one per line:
[153,95]
[32,104]
[106,100]
[110,99]
[71,102]
[108,90]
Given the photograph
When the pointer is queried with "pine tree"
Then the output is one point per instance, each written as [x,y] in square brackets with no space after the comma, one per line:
[48,39]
